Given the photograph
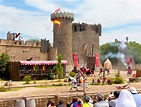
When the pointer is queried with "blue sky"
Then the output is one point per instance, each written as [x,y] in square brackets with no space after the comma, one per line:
[119,18]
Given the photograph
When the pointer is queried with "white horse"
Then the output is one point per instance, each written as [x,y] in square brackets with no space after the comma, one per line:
[77,82]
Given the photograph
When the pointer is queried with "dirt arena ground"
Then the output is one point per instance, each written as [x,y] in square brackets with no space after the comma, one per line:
[55,90]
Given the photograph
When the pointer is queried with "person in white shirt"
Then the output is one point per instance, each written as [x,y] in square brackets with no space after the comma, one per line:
[137,97]
[125,99]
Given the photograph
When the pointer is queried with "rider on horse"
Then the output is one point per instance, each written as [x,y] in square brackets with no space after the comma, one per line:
[74,83]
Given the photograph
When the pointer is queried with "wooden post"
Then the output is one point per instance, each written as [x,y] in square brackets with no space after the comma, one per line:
[92,49]
[56,99]
[103,77]
[84,85]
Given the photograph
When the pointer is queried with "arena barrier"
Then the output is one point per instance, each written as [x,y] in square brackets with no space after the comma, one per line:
[41,101]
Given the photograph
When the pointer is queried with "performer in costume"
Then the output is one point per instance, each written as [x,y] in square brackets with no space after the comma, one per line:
[74,83]
[129,70]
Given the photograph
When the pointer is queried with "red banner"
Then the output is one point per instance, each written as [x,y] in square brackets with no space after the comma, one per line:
[75,60]
[97,60]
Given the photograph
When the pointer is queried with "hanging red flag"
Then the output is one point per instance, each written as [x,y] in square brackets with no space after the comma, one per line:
[75,60]
[128,59]
[130,64]
[97,60]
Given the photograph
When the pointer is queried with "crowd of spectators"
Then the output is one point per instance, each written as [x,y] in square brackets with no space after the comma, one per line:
[122,98]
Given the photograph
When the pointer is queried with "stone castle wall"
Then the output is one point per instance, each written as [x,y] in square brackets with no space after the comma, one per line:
[84,34]
[68,38]
[71,38]
[17,50]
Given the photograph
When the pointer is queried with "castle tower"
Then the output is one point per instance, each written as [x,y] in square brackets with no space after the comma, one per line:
[62,34]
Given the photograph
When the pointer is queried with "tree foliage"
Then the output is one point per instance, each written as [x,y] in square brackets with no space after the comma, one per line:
[109,49]
[135,50]
[27,79]
[33,40]
[4,57]
[59,67]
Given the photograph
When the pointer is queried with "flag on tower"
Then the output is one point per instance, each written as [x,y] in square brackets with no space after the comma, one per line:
[57,10]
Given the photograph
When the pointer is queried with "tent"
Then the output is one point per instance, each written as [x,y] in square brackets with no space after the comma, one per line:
[107,64]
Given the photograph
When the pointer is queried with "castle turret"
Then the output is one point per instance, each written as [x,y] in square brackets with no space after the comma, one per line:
[62,34]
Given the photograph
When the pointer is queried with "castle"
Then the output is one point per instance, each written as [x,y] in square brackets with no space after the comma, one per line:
[68,38]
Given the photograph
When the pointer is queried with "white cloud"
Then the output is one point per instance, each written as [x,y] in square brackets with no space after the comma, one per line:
[43,5]
[28,23]
[110,13]
[133,34]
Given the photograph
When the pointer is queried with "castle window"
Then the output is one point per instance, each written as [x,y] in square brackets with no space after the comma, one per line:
[59,42]
[20,43]
[37,44]
[75,28]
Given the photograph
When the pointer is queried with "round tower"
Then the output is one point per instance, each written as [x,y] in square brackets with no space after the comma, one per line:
[62,34]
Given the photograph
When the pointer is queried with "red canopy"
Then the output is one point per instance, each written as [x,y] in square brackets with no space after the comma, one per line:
[42,62]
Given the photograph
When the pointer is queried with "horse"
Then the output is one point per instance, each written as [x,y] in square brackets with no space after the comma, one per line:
[76,82]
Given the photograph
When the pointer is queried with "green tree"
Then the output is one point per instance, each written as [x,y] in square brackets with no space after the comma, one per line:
[4,57]
[135,50]
[109,50]
[59,67]
[33,40]
[27,79]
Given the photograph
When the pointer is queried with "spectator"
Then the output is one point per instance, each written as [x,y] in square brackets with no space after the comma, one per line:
[112,103]
[80,102]
[125,99]
[50,104]
[74,102]
[60,104]
[110,96]
[137,97]
[100,101]
[86,102]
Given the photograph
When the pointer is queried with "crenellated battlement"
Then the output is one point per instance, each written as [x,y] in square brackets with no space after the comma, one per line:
[79,27]
[62,15]
[19,43]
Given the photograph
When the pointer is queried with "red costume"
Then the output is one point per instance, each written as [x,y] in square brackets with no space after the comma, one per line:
[129,70]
